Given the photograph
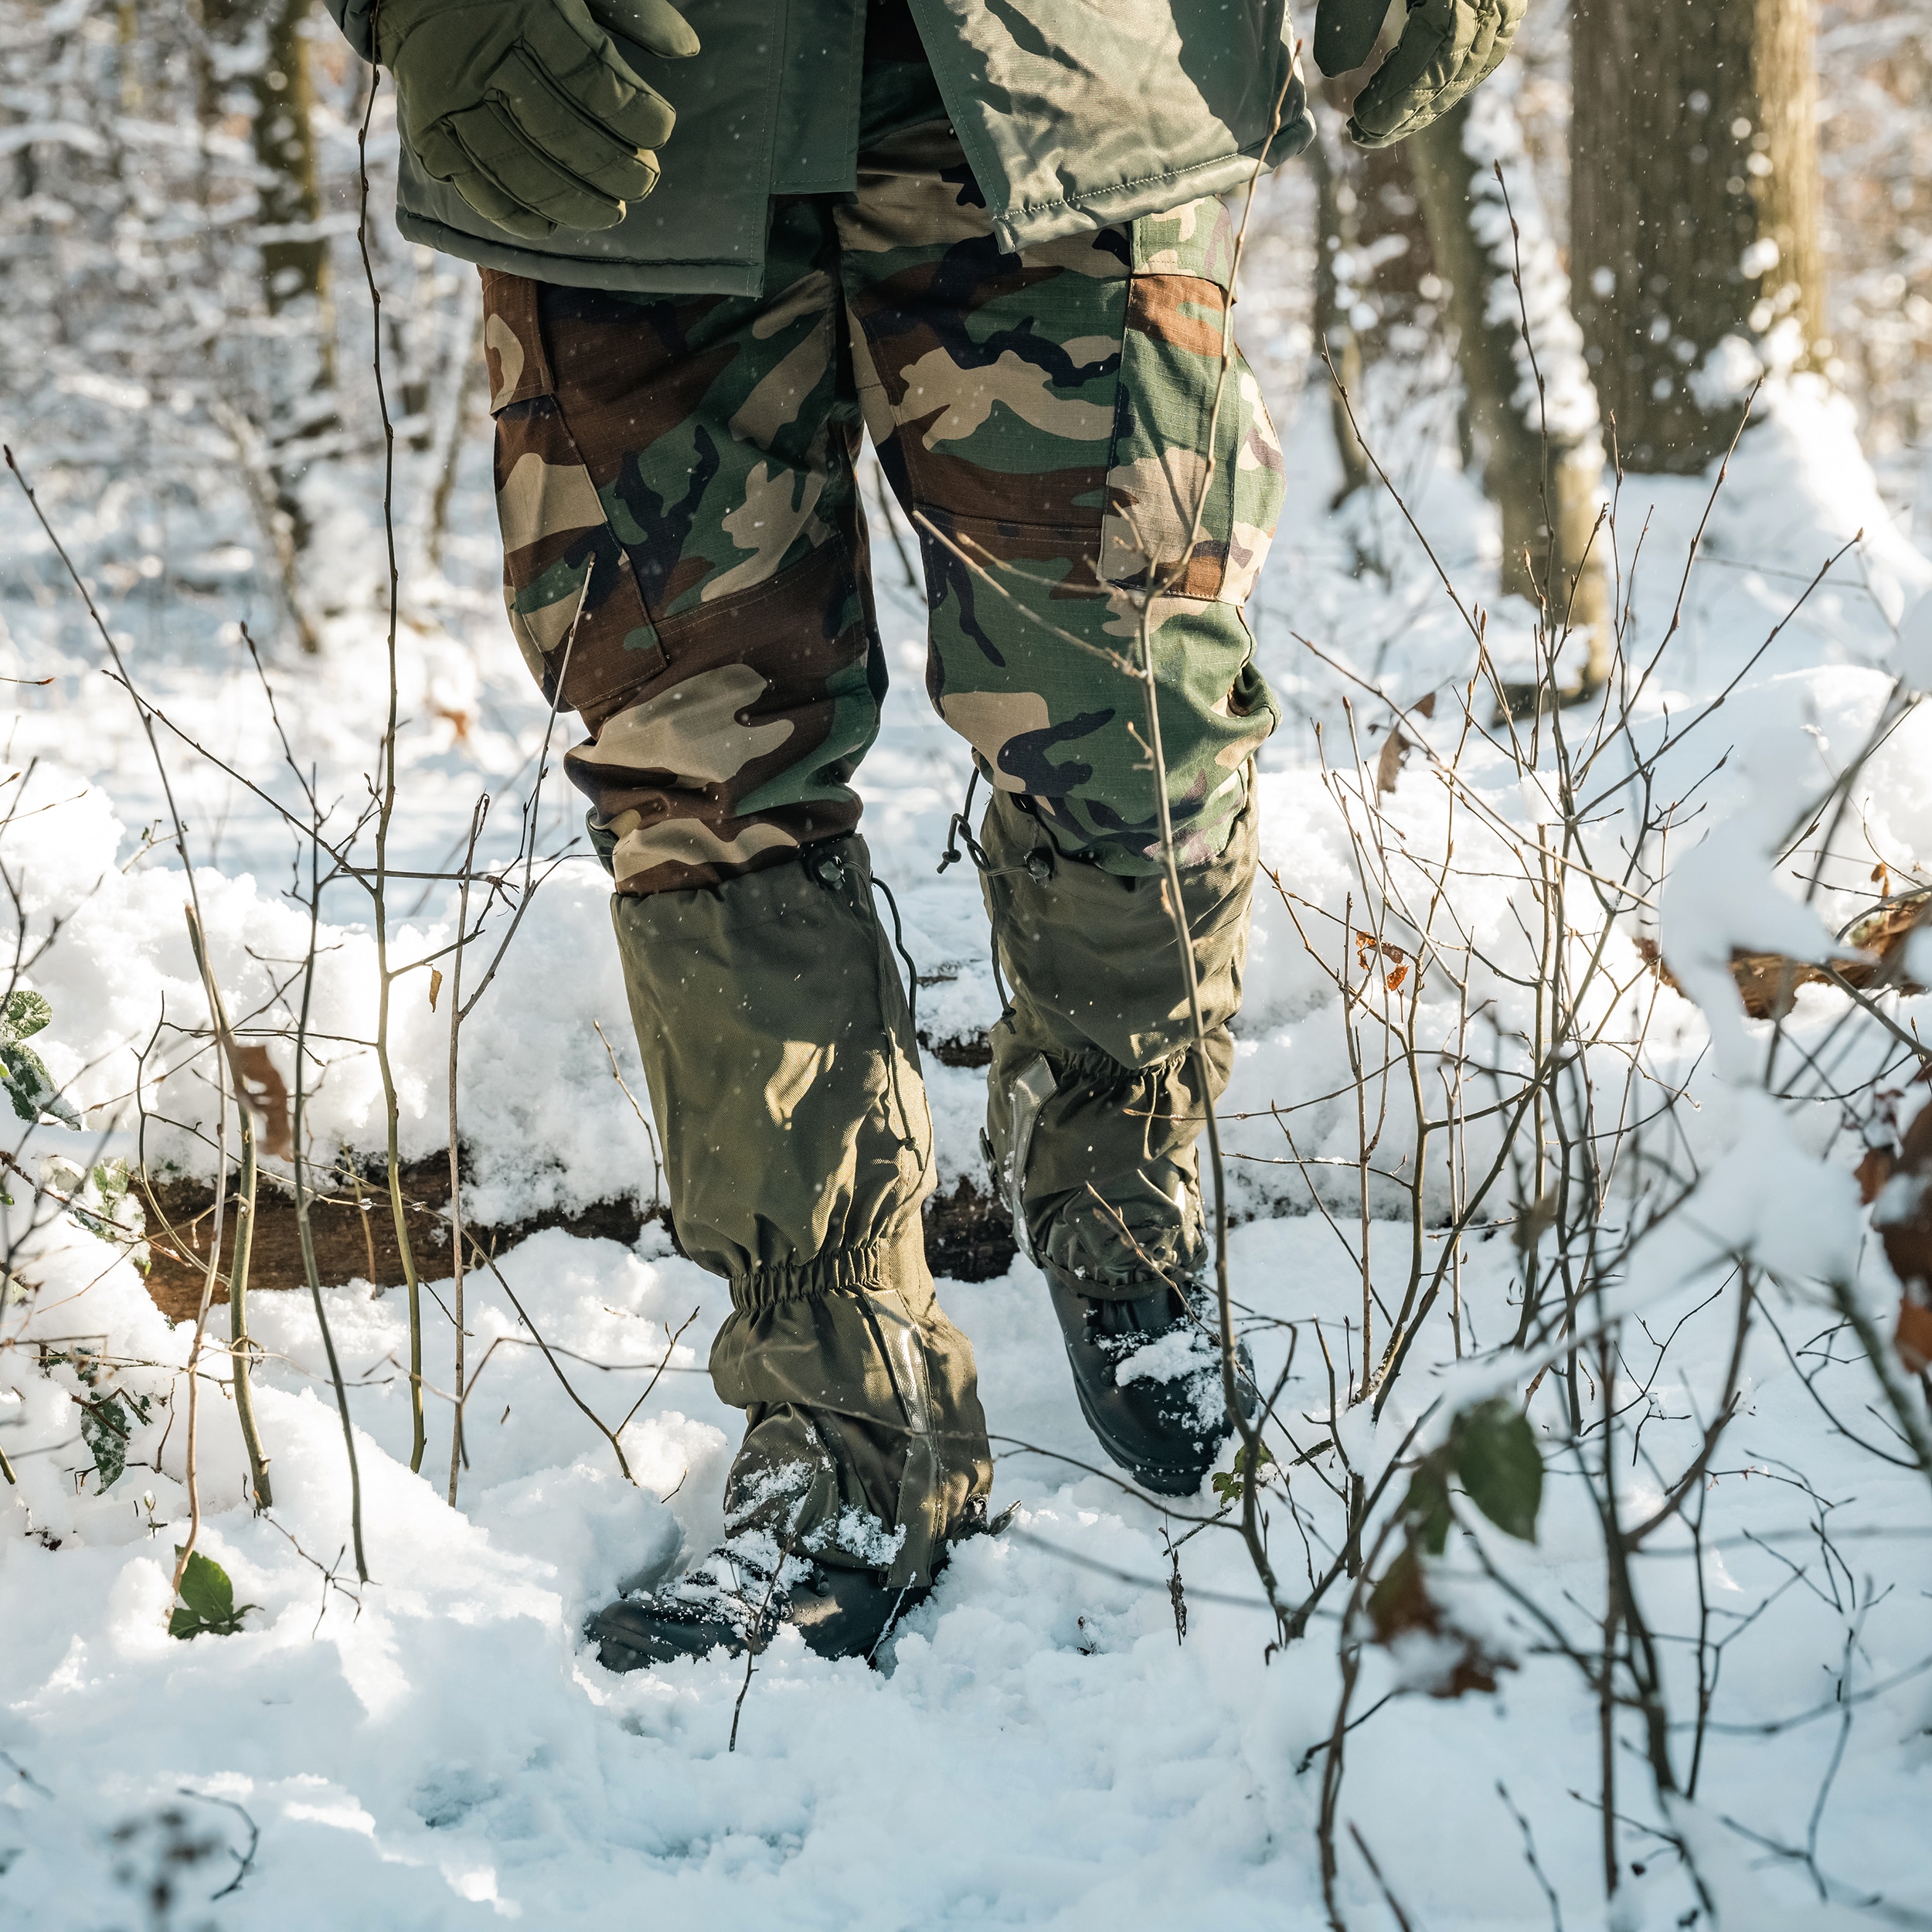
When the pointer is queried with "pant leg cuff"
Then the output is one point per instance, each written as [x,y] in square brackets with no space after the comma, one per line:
[853,1270]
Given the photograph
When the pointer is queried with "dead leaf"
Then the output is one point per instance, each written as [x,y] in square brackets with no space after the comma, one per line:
[1767,981]
[1905,1223]
[459,721]
[267,1093]
[1874,1171]
[1885,928]
[1395,748]
[436,985]
[1912,1337]
[1400,1603]
[1426,707]
[1396,978]
[1367,946]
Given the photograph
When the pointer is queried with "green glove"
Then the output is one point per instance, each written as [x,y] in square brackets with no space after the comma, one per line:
[1447,46]
[526,107]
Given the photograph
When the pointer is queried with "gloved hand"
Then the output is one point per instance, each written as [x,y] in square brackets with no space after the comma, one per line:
[1447,46]
[527,109]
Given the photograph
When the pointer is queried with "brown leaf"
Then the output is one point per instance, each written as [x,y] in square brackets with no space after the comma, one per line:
[1767,981]
[1471,1672]
[1396,978]
[1912,1337]
[1400,1602]
[1905,1225]
[1885,928]
[1367,946]
[1395,748]
[1426,707]
[265,1091]
[1873,1171]
[436,985]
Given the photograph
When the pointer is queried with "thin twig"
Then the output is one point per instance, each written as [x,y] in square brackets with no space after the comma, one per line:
[457,1458]
[753,1647]
[241,1348]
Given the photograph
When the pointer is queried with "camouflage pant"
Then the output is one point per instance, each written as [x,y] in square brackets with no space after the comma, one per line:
[686,565]
[675,478]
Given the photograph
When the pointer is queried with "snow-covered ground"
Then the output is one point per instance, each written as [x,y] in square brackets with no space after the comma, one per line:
[1039,1746]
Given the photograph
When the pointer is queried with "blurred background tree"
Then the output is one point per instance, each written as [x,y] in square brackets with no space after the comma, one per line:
[185,306]
[1694,212]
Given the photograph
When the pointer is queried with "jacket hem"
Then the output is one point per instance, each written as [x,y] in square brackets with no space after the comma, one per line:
[571,271]
[1126,201]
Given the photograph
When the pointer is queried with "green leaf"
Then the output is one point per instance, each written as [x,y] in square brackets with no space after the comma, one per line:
[206,1590]
[1501,1467]
[104,1428]
[1428,1508]
[30,1087]
[1231,1484]
[23,1015]
[27,1080]
[208,1601]
[121,1220]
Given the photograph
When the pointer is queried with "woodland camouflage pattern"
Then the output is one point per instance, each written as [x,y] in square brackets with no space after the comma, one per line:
[686,558]
[988,235]
[1092,474]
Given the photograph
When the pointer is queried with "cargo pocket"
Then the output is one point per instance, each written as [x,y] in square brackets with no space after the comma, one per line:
[574,605]
[1172,523]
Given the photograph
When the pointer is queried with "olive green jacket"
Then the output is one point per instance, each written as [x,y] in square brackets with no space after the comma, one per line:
[1072,112]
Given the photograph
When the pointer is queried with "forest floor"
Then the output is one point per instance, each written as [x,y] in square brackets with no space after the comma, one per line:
[1041,1744]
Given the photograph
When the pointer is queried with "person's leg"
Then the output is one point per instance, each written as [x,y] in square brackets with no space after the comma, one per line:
[1048,419]
[694,458]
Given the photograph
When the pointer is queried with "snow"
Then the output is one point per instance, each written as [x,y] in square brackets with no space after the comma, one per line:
[1530,276]
[1722,896]
[1912,659]
[437,1748]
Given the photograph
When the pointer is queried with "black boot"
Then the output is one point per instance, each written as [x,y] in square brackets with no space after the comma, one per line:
[1148,1375]
[729,1598]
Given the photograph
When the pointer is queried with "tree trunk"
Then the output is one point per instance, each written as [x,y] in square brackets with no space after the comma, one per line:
[295,266]
[127,34]
[1532,405]
[1372,256]
[295,408]
[1694,190]
[1335,337]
